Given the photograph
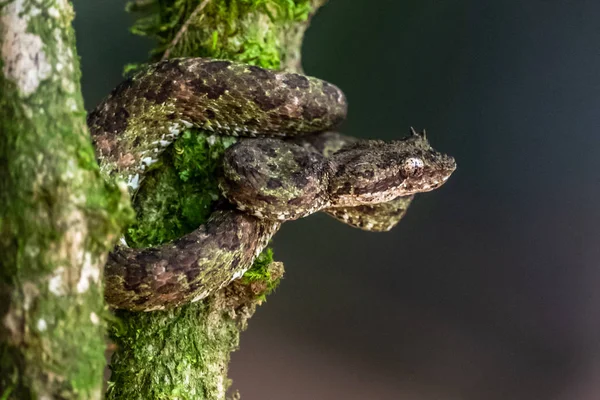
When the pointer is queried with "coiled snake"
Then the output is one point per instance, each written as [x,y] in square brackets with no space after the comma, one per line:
[288,165]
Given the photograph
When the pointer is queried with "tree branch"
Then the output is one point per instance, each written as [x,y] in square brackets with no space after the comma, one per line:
[184,28]
[185,352]
[58,218]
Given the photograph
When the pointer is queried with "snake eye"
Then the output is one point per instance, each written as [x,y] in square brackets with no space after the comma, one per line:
[412,167]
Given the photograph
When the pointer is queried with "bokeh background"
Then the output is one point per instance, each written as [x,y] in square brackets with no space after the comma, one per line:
[489,287]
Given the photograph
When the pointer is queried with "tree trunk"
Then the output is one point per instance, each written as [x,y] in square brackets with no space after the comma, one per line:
[58,218]
[184,353]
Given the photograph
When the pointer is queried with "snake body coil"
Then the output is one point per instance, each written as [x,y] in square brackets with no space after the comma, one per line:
[292,168]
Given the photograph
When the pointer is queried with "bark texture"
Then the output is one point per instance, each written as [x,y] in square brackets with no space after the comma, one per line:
[184,352]
[58,218]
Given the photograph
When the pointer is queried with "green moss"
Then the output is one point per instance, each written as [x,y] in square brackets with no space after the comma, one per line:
[64,345]
[173,357]
[180,190]
[179,194]
[260,272]
[245,30]
[59,219]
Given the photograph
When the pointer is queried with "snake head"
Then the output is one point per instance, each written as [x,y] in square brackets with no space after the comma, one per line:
[281,180]
[373,171]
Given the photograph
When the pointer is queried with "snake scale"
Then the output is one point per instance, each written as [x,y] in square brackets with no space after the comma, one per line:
[287,164]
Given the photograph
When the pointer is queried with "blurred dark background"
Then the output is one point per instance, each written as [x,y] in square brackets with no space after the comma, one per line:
[489,287]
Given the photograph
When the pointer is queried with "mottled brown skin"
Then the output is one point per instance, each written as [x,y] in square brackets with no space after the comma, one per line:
[373,171]
[367,184]
[380,217]
[189,268]
[226,97]
[282,180]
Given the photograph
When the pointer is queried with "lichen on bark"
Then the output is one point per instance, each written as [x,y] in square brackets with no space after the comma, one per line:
[184,352]
[58,218]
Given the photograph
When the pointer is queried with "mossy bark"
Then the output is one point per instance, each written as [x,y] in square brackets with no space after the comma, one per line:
[58,218]
[184,353]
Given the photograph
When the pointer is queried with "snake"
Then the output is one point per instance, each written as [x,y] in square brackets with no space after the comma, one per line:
[288,163]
